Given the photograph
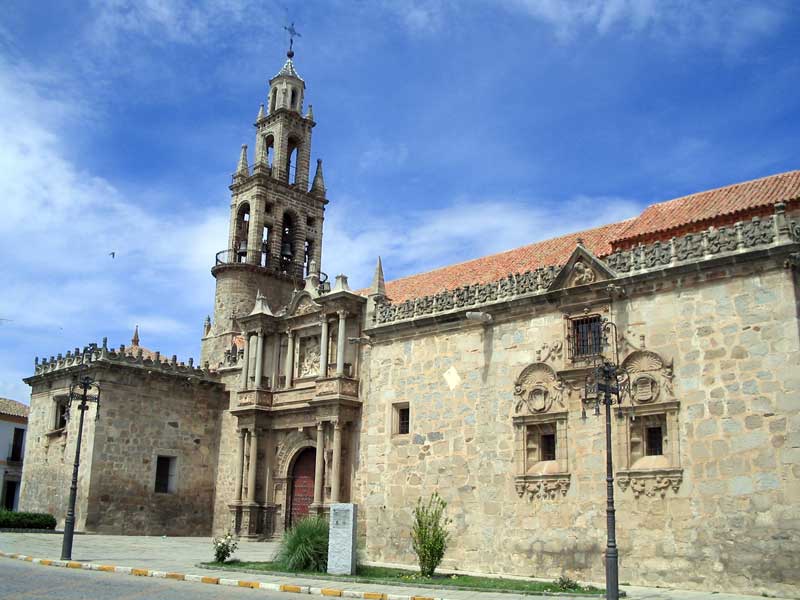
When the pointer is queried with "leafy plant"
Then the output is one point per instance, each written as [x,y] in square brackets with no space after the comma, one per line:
[429,534]
[565,584]
[26,520]
[305,546]
[224,547]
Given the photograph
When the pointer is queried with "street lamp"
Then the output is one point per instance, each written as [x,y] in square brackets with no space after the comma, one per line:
[79,390]
[606,385]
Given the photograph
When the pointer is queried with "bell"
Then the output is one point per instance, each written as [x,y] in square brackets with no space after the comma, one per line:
[286,249]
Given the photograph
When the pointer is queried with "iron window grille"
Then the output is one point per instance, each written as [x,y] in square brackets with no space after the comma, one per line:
[585,337]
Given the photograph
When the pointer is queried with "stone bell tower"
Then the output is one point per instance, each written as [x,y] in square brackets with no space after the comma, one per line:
[275,235]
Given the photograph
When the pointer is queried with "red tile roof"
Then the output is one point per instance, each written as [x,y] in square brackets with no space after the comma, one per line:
[706,208]
[555,251]
[658,221]
[13,408]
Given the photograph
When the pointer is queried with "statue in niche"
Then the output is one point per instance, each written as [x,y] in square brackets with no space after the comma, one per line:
[308,365]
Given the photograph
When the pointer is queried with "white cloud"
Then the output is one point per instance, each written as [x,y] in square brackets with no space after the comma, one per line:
[731,25]
[59,223]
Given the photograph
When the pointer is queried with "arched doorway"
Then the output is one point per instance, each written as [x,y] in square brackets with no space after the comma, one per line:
[302,485]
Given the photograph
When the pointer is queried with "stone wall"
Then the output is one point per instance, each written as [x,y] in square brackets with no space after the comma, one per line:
[730,521]
[50,455]
[142,418]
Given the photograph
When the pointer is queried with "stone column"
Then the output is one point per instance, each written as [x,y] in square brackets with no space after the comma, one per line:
[319,466]
[246,362]
[276,358]
[251,471]
[239,467]
[323,347]
[289,358]
[340,340]
[259,358]
[267,467]
[337,460]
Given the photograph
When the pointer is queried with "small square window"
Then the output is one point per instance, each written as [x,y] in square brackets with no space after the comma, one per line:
[654,441]
[310,222]
[547,446]
[401,419]
[165,474]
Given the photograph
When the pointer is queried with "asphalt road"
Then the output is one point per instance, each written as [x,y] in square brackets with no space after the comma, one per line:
[25,581]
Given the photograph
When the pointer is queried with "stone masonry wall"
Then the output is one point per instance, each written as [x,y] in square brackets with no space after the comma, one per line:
[50,455]
[142,418]
[733,522]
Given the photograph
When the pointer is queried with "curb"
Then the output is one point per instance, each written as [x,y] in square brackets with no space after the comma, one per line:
[256,585]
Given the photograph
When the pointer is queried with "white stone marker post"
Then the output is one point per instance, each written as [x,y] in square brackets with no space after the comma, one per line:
[342,539]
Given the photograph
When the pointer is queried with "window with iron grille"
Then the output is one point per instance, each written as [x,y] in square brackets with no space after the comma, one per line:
[165,474]
[401,419]
[586,336]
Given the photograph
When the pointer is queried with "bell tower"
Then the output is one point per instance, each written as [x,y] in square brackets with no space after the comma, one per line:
[275,234]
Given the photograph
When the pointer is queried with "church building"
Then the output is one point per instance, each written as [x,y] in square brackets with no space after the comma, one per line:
[474,380]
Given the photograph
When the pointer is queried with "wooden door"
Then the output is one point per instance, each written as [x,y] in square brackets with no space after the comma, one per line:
[302,485]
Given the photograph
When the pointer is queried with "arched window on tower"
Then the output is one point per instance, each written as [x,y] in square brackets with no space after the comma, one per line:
[269,149]
[265,241]
[273,100]
[240,233]
[287,243]
[308,256]
[293,151]
[293,103]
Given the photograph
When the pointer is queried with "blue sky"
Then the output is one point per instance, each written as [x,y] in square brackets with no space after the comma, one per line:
[450,129]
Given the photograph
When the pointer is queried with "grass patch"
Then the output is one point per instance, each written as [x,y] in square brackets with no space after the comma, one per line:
[404,577]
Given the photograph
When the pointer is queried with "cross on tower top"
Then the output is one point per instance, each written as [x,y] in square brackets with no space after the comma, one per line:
[293,33]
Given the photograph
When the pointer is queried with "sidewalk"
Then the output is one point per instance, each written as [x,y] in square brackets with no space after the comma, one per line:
[176,557]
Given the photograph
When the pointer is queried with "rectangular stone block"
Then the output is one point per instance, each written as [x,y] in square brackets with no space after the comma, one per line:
[342,539]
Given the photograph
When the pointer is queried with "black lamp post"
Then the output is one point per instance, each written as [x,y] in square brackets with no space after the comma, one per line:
[606,386]
[79,390]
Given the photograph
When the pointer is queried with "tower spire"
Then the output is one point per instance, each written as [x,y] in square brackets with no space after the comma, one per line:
[135,338]
[318,185]
[242,167]
[378,287]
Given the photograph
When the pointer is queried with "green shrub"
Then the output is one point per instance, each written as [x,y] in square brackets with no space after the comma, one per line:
[305,546]
[224,547]
[429,535]
[565,584]
[26,520]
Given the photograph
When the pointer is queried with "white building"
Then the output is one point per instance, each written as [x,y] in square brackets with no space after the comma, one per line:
[13,424]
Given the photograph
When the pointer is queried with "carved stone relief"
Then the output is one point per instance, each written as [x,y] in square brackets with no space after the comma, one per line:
[543,488]
[651,484]
[537,389]
[649,376]
[308,357]
[582,274]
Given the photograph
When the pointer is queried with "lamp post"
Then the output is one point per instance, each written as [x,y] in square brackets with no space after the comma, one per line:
[606,386]
[79,390]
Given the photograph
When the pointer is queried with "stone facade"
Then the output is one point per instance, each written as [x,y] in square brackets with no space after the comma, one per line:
[147,409]
[480,388]
[715,511]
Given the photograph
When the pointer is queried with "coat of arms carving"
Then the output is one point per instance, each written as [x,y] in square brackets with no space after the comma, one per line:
[537,389]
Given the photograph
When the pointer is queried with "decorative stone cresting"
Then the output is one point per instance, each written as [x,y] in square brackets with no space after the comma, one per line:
[693,246]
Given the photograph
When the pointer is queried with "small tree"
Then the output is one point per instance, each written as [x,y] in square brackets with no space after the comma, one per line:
[429,533]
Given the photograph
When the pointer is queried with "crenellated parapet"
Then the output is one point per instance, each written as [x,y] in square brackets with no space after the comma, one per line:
[741,237]
[135,356]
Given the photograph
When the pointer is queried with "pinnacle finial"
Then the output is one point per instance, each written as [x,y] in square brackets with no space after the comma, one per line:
[310,113]
[135,338]
[318,185]
[242,168]
[260,113]
[378,287]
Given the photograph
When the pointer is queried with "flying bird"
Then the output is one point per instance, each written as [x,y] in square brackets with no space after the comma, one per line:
[112,254]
